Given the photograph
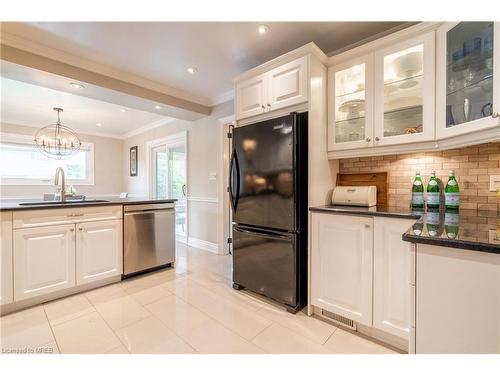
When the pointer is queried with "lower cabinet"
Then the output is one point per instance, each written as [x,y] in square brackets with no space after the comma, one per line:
[44,260]
[391,276]
[56,257]
[360,269]
[341,265]
[98,250]
[6,284]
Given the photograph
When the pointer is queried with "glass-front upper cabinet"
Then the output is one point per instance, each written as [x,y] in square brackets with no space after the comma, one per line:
[404,91]
[468,81]
[350,117]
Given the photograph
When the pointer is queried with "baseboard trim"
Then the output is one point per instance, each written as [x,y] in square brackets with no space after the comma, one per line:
[203,245]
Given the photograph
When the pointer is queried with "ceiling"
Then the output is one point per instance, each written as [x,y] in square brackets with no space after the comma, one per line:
[31,105]
[161,51]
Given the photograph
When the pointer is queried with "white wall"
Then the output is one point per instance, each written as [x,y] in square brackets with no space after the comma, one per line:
[108,171]
[202,160]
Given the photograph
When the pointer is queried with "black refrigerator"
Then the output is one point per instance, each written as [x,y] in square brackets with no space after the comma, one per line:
[268,192]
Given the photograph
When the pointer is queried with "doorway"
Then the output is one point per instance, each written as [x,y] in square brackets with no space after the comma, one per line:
[168,177]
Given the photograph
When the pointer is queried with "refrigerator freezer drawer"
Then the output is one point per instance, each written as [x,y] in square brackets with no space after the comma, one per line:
[266,263]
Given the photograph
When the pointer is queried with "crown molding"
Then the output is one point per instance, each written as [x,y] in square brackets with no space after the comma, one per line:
[81,62]
[307,49]
[150,126]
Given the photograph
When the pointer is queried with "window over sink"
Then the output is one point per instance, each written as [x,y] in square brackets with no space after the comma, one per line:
[21,163]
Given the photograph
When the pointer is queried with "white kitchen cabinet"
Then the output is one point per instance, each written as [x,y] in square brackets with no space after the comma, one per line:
[287,84]
[341,265]
[44,260]
[457,301]
[391,276]
[251,96]
[98,250]
[283,86]
[7,287]
[468,78]
[350,107]
[404,91]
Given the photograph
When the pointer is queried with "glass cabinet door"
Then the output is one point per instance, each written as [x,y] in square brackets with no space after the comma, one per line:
[404,75]
[466,96]
[350,123]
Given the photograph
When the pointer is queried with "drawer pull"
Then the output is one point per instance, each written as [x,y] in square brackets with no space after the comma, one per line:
[75,215]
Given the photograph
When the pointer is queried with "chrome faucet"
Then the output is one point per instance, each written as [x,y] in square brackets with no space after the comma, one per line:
[62,190]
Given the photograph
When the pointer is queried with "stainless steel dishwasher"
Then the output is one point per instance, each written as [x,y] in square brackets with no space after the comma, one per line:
[148,237]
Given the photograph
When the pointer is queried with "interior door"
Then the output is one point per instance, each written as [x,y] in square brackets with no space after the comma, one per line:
[262,174]
[169,179]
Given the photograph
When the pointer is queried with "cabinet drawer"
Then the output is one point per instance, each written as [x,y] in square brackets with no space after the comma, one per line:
[70,215]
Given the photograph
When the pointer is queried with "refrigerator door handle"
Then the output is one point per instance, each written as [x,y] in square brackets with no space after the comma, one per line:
[234,164]
[262,234]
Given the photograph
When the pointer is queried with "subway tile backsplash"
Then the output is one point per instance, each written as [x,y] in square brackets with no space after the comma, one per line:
[472,166]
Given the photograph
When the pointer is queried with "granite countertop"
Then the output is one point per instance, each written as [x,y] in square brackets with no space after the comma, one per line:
[14,205]
[369,211]
[466,229]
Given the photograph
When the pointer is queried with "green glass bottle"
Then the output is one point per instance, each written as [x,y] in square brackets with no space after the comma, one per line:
[417,192]
[451,223]
[433,192]
[452,193]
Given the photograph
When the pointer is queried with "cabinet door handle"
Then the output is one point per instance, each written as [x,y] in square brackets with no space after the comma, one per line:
[367,226]
[80,229]
[268,107]
[72,230]
[368,139]
[263,107]
[377,139]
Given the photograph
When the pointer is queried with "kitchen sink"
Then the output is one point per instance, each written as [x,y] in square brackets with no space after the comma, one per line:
[69,202]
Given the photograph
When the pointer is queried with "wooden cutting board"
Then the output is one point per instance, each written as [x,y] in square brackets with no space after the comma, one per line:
[378,179]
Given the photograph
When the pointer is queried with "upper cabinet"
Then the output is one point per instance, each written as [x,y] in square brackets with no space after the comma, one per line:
[468,82]
[281,87]
[432,86]
[404,92]
[383,98]
[351,104]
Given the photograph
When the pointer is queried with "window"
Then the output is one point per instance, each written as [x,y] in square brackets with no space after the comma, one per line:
[21,163]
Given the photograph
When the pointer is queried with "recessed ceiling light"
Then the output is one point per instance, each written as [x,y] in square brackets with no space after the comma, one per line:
[157,106]
[123,110]
[99,124]
[76,85]
[192,69]
[263,29]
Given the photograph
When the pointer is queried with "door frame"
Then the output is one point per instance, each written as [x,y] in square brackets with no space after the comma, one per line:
[224,216]
[172,139]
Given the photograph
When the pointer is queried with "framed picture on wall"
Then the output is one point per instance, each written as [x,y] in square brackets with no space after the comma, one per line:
[133,161]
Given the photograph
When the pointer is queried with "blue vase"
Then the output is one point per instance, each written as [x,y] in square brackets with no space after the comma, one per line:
[450,121]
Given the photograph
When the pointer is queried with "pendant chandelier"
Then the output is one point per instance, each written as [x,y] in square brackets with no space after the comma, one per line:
[56,140]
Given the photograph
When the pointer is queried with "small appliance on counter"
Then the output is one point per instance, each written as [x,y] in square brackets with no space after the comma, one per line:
[362,196]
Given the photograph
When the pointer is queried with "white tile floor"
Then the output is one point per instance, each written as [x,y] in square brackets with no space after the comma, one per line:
[189,309]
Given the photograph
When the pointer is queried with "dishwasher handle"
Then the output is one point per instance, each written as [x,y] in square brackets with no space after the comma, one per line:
[143,212]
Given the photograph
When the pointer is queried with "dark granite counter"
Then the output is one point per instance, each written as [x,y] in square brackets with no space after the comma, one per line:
[466,229]
[369,211]
[14,205]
